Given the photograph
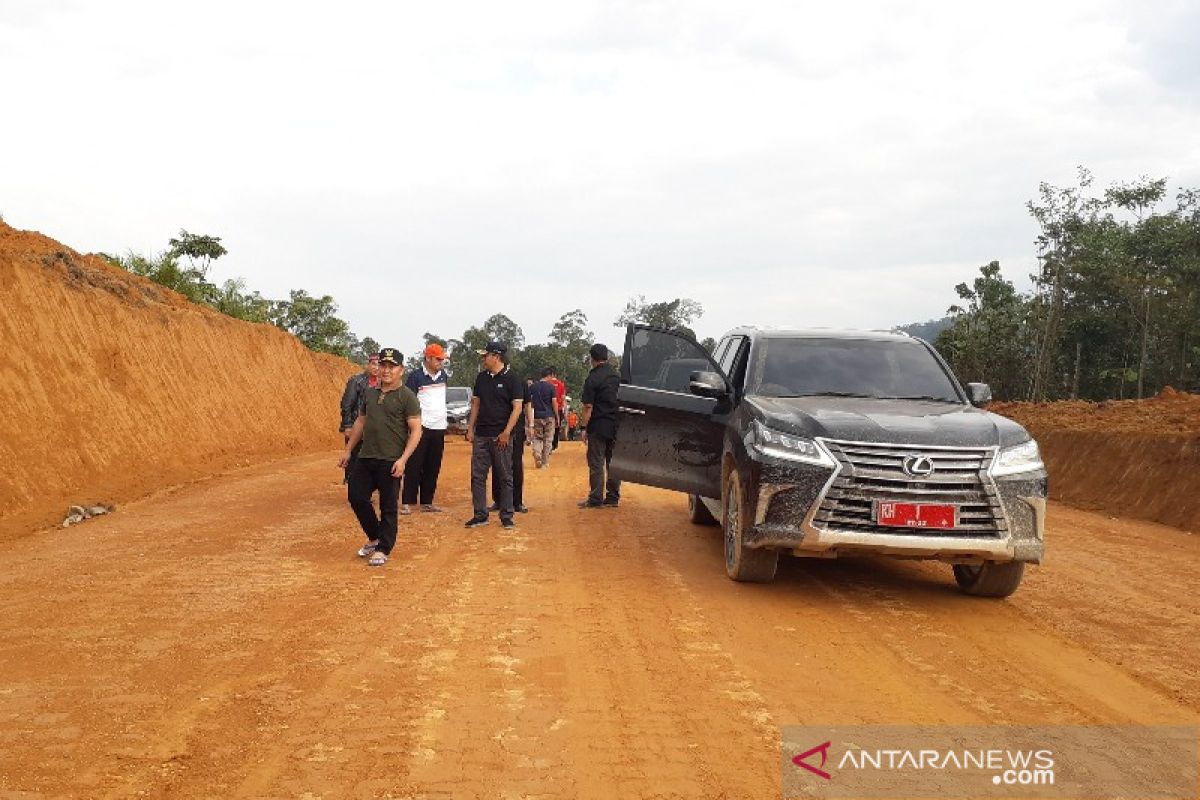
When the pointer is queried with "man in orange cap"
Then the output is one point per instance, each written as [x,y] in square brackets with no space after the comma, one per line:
[421,476]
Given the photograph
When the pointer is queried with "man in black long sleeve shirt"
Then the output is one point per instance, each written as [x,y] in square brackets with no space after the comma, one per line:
[352,399]
[600,429]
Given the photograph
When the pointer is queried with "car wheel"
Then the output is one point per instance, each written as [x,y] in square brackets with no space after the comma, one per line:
[743,563]
[990,579]
[698,513]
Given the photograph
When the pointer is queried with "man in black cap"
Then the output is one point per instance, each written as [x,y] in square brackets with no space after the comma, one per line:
[495,409]
[600,429]
[389,427]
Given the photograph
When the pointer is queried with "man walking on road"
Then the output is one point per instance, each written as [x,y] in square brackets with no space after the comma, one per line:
[389,428]
[429,385]
[600,429]
[352,398]
[545,417]
[495,409]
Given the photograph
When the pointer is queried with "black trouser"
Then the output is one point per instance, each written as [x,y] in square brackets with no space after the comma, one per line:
[604,487]
[557,426]
[371,475]
[487,455]
[518,473]
[424,466]
[353,458]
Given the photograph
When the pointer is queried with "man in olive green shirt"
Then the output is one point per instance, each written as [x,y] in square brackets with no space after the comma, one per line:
[389,427]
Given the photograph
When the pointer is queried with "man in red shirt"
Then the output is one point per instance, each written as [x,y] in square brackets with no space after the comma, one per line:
[560,391]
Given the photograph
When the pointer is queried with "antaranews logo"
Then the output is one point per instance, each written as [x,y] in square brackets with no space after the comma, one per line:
[823,749]
[1010,762]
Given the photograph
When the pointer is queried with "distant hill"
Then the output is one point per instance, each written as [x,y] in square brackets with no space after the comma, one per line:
[927,330]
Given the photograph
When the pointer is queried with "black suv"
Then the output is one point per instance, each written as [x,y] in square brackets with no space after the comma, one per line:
[818,443]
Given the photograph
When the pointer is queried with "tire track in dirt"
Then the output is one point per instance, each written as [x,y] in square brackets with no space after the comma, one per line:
[222,640]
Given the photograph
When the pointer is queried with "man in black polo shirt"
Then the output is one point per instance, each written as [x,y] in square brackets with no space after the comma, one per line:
[389,427]
[495,408]
[600,429]
[521,433]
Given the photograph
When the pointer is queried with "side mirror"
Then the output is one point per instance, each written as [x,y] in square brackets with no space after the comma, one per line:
[980,394]
[708,384]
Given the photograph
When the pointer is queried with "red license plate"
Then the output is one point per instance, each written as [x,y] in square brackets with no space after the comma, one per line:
[917,515]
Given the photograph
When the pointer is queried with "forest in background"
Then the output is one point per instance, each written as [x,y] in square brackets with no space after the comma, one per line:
[1114,311]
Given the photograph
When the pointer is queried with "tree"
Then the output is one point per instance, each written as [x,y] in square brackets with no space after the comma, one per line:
[313,321]
[367,347]
[1143,242]
[674,314]
[986,341]
[1064,218]
[571,330]
[165,270]
[198,249]
[233,300]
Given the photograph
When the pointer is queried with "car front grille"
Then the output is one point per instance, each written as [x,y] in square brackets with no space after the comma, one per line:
[870,473]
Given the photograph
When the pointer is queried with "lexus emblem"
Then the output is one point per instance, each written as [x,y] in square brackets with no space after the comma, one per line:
[918,466]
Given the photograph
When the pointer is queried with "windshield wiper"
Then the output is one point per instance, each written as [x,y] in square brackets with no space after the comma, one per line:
[922,397]
[827,394]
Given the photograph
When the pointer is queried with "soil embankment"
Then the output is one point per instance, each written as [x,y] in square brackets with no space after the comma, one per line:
[1129,458]
[112,386]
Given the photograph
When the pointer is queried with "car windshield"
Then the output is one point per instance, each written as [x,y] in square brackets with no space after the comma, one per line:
[457,394]
[805,367]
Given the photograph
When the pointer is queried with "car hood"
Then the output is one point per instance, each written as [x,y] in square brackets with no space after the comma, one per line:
[919,422]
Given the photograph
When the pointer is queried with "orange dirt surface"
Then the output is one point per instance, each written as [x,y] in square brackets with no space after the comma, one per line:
[222,640]
[1128,458]
[112,386]
[1169,413]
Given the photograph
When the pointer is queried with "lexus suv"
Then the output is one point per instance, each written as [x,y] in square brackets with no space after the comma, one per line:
[822,443]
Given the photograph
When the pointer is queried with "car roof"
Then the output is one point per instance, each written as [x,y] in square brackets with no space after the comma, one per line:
[766,332]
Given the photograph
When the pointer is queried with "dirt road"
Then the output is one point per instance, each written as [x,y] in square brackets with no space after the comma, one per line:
[222,640]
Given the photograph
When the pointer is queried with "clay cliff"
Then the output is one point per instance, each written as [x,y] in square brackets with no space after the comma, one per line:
[112,387]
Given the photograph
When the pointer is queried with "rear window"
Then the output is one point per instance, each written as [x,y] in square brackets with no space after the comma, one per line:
[799,367]
[458,394]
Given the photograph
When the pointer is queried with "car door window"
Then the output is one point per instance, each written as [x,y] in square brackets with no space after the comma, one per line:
[733,360]
[725,359]
[719,351]
[663,360]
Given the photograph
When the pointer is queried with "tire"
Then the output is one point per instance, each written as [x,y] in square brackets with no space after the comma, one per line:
[743,563]
[990,579]
[698,513]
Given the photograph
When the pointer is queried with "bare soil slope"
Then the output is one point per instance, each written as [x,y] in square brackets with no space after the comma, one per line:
[112,386]
[224,641]
[1130,458]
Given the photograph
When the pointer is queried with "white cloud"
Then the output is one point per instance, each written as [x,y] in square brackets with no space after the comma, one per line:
[776,161]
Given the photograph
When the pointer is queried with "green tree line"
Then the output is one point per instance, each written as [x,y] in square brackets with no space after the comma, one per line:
[1114,311]
[184,266]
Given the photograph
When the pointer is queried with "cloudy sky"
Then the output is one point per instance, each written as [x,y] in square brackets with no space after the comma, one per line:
[430,164]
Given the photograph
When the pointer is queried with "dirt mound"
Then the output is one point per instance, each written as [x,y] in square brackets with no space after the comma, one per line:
[112,386]
[1170,413]
[1130,458]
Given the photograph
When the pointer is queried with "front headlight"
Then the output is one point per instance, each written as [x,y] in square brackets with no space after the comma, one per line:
[793,448]
[1019,458]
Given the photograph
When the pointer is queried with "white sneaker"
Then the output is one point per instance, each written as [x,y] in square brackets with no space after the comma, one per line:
[367,549]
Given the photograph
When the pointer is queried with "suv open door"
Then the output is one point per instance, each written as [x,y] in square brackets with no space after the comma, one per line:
[674,402]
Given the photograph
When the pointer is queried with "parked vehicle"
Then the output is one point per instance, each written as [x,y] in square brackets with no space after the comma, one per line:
[823,443]
[458,408]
